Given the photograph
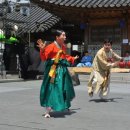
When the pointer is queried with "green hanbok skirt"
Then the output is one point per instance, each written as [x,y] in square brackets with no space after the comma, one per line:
[59,94]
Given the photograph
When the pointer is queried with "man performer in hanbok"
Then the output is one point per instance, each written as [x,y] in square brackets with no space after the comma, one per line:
[57,89]
[104,60]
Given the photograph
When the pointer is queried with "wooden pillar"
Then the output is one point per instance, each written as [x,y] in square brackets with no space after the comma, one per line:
[126,35]
[128,29]
[86,38]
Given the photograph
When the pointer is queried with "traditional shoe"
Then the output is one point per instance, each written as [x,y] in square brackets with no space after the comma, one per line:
[91,94]
[68,110]
[47,115]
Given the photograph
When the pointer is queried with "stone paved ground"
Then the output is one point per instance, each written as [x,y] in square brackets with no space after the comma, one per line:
[20,109]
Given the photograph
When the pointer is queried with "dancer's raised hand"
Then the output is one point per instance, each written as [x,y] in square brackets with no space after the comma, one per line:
[41,44]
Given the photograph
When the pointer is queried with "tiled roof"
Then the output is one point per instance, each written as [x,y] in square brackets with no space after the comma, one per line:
[89,3]
[38,20]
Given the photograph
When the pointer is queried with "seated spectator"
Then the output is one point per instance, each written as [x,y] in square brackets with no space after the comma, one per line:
[127,56]
[86,60]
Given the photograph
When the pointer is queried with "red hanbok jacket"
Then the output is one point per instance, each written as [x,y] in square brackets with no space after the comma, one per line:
[51,50]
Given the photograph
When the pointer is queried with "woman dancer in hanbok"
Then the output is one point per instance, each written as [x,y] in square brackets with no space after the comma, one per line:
[57,89]
[104,60]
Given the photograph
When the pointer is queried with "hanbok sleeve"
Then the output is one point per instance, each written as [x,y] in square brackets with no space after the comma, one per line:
[70,59]
[46,52]
[103,63]
[115,56]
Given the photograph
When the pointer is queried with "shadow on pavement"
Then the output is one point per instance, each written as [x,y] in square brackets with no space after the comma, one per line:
[63,114]
[104,100]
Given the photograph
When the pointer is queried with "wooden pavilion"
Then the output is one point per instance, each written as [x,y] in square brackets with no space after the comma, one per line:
[99,18]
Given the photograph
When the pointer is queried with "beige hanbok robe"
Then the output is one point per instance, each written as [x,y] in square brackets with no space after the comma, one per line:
[100,75]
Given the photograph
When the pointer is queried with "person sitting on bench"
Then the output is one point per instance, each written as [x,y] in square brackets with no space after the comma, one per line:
[86,60]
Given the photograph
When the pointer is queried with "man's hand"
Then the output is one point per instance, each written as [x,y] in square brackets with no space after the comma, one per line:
[122,59]
[115,64]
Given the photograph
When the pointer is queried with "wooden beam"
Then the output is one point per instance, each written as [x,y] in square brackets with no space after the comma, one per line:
[89,69]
